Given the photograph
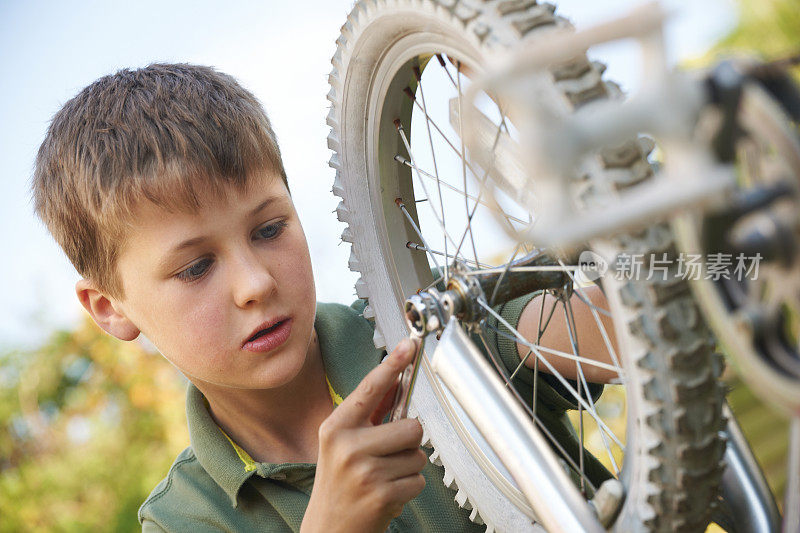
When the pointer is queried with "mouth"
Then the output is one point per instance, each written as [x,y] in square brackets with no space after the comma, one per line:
[269,335]
[265,331]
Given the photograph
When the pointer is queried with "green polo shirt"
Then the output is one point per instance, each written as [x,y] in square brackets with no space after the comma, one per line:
[214,485]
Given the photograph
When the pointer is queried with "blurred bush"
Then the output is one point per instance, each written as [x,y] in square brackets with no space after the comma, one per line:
[766,430]
[768,27]
[765,29]
[90,425]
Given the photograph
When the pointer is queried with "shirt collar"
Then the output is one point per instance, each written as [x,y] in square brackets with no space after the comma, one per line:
[211,447]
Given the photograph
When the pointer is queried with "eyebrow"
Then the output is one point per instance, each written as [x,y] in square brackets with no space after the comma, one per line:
[264,204]
[188,243]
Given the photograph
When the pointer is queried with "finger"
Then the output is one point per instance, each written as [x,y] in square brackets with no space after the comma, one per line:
[402,464]
[385,404]
[393,495]
[356,409]
[393,437]
[407,488]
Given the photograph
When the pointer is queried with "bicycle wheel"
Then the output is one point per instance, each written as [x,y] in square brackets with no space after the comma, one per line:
[754,305]
[387,55]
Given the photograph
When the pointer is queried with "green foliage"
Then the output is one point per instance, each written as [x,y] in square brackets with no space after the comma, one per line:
[767,432]
[770,27]
[766,29]
[90,425]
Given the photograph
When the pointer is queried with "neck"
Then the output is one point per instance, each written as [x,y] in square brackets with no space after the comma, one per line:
[278,425]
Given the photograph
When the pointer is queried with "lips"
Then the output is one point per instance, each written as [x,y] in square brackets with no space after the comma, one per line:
[269,335]
[266,327]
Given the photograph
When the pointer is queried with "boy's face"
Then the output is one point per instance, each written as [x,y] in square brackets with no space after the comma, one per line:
[200,285]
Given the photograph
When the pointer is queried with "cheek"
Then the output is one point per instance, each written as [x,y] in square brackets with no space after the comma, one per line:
[301,272]
[203,324]
[195,329]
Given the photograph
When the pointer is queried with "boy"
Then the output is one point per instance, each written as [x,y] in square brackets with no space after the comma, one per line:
[165,188]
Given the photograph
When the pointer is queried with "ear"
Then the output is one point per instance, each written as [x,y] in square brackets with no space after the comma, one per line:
[105,311]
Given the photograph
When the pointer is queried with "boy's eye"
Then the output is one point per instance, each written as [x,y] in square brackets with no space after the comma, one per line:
[195,271]
[198,269]
[270,231]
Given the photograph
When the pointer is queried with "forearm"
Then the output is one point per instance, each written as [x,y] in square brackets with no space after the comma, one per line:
[587,334]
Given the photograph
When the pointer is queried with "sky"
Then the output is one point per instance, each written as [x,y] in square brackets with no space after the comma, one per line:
[281,51]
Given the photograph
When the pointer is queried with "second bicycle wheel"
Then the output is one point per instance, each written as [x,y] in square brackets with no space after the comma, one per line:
[412,202]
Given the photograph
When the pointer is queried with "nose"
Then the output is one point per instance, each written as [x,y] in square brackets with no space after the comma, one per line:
[252,282]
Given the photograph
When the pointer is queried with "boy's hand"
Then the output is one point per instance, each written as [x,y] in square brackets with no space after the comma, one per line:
[366,472]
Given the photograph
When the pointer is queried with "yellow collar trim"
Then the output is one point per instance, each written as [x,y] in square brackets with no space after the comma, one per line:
[335,397]
[249,464]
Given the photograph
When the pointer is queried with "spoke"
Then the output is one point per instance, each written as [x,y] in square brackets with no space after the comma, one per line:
[400,159]
[446,139]
[537,350]
[520,365]
[444,66]
[433,283]
[550,367]
[402,207]
[498,210]
[599,323]
[549,317]
[483,188]
[527,355]
[500,126]
[427,195]
[410,94]
[559,353]
[414,246]
[569,316]
[464,160]
[539,332]
[600,310]
[501,370]
[418,76]
[457,85]
[503,275]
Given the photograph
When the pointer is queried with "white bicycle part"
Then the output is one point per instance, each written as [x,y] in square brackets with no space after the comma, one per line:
[673,444]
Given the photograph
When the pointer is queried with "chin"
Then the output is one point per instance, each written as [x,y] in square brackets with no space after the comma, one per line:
[283,370]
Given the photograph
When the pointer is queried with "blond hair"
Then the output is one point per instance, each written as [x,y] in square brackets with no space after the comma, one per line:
[162,133]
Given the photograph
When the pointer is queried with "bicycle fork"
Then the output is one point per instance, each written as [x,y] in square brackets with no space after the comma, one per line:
[507,428]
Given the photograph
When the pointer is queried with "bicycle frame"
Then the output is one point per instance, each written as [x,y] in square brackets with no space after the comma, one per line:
[668,106]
